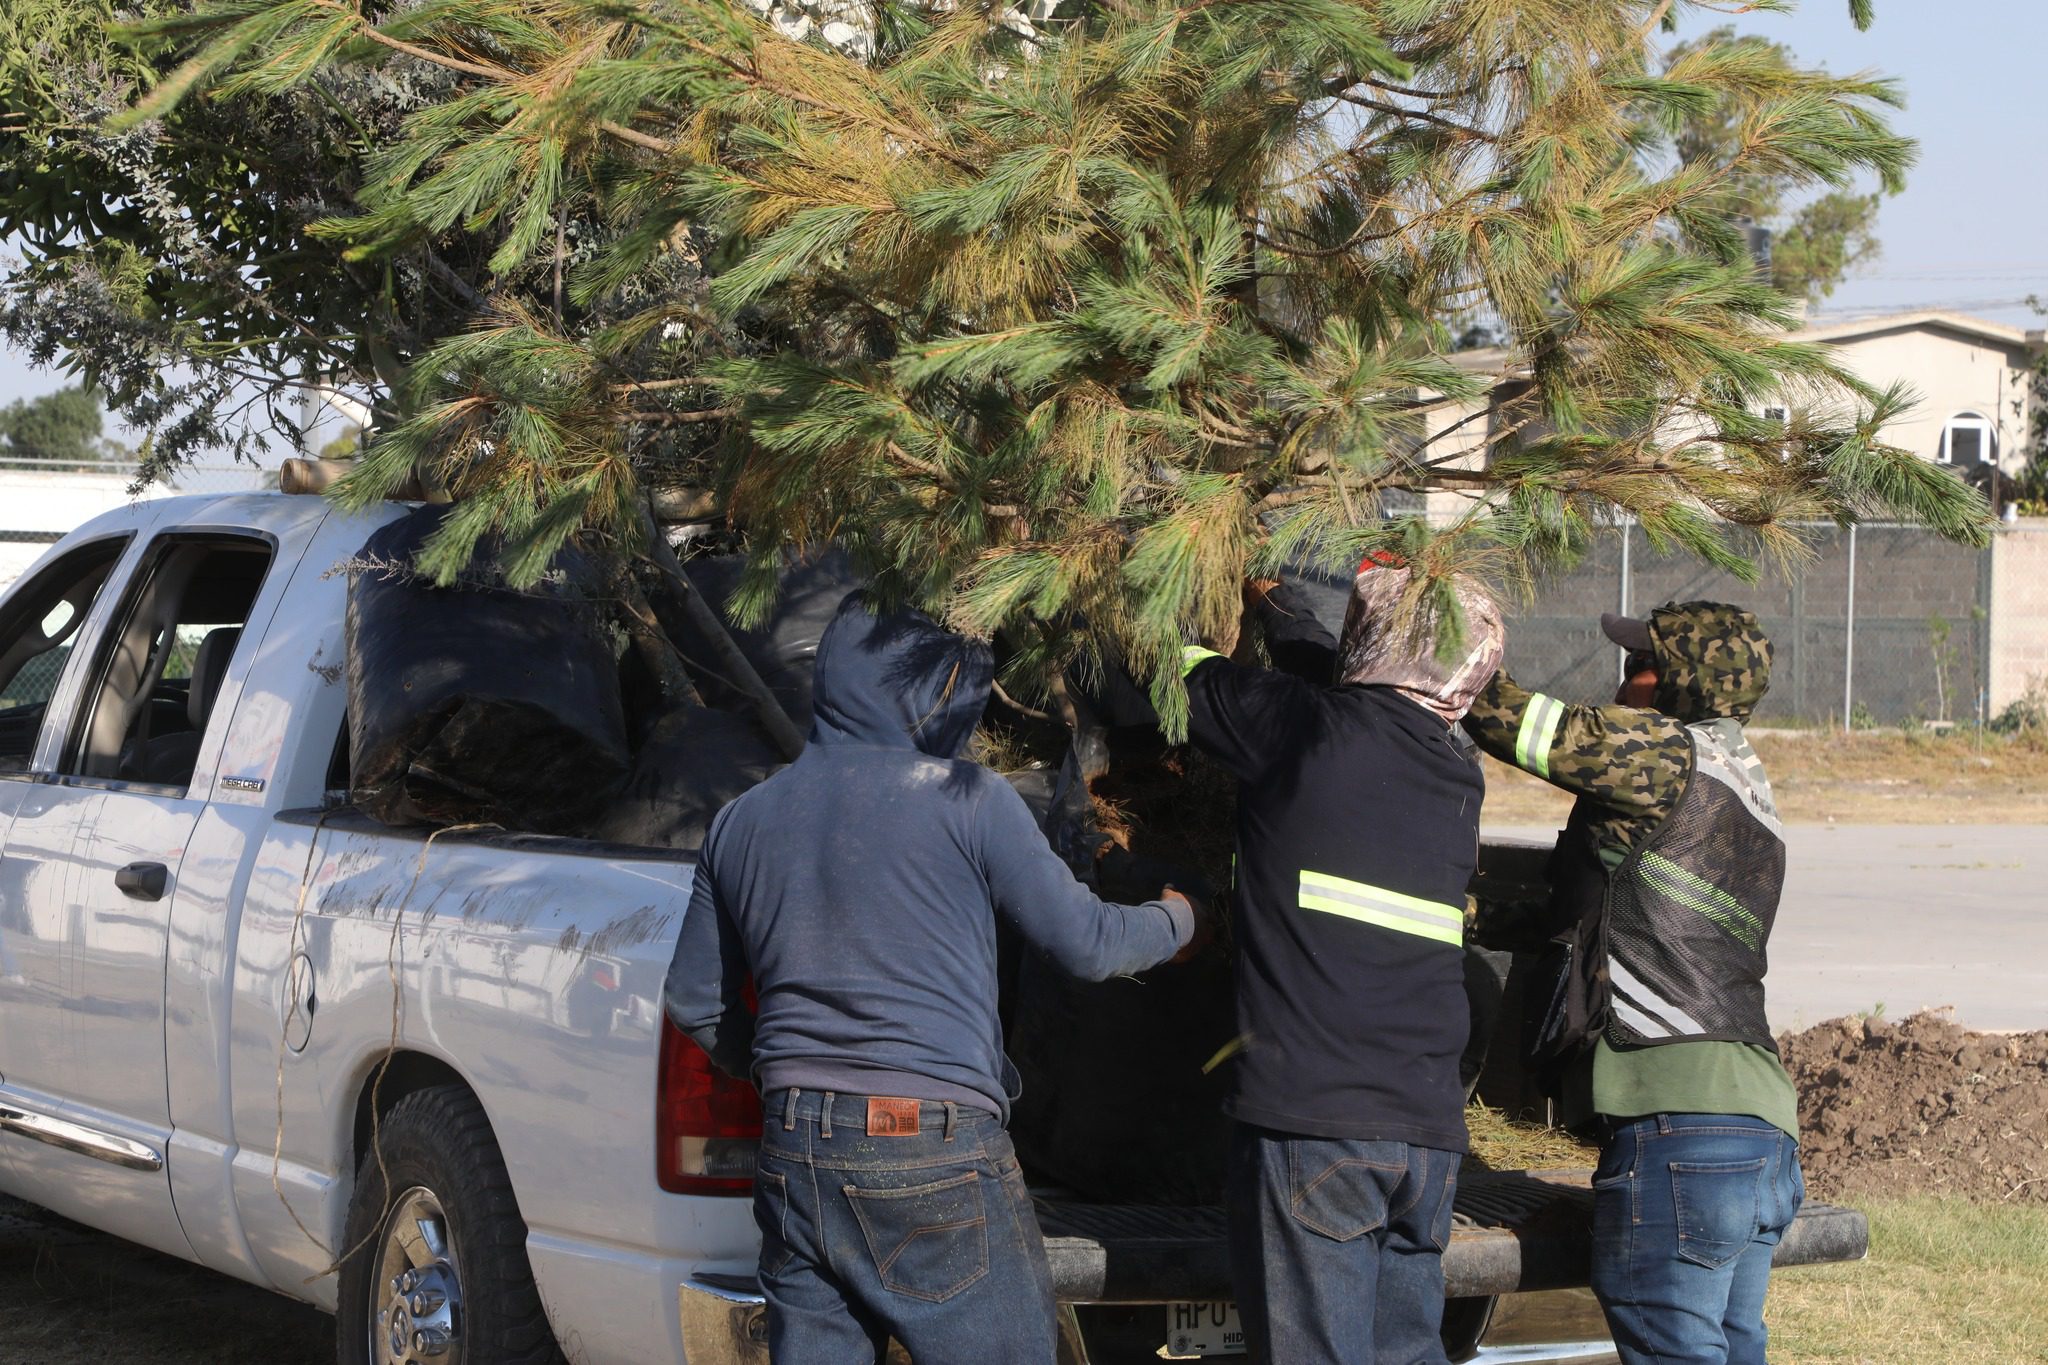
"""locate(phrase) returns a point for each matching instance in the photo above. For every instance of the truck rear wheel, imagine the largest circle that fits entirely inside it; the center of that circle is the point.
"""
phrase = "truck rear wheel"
(438, 1273)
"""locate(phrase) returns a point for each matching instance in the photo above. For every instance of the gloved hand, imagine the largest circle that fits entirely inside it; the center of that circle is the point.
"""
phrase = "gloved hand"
(1205, 924)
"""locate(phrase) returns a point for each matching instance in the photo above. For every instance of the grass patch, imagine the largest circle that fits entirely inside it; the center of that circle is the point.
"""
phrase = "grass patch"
(1946, 1280)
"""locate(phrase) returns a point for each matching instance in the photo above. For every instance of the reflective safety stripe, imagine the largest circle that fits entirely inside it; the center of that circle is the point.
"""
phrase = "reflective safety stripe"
(1539, 729)
(1190, 655)
(1387, 909)
(1665, 1020)
(1642, 1023)
(1665, 876)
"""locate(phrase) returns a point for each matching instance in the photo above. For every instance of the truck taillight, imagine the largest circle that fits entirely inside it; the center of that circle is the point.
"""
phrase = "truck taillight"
(706, 1124)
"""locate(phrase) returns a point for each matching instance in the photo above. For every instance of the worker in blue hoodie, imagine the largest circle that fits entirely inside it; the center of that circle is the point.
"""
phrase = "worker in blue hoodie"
(858, 888)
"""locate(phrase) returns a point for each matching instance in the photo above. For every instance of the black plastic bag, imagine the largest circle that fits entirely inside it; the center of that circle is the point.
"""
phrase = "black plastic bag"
(476, 703)
(692, 762)
(1116, 1106)
(784, 649)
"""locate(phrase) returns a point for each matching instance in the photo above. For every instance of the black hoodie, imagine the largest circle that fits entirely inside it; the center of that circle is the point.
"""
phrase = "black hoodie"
(859, 886)
(1357, 831)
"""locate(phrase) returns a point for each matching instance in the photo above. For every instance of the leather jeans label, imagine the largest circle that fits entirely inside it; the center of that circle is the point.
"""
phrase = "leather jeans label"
(892, 1118)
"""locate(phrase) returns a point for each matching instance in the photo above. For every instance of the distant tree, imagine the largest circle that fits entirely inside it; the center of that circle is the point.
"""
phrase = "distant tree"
(2029, 486)
(1823, 242)
(1813, 246)
(346, 445)
(62, 427)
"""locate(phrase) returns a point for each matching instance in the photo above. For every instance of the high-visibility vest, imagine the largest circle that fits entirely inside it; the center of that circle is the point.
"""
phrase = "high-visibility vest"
(1689, 911)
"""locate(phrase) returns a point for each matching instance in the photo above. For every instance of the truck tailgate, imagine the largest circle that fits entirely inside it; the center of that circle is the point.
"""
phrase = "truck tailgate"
(1513, 1231)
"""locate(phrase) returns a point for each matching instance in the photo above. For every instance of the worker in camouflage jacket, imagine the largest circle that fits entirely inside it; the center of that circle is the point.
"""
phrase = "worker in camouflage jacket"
(1665, 885)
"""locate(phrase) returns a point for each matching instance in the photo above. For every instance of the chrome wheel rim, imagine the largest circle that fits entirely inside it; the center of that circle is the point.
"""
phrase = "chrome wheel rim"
(415, 1302)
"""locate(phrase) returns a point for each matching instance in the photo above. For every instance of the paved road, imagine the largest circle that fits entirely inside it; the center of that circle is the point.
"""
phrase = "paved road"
(1910, 917)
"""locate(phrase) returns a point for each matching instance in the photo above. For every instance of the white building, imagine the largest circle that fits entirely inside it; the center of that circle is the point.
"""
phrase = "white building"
(41, 502)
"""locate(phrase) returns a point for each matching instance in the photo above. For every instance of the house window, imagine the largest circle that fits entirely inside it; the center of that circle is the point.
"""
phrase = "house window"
(1967, 441)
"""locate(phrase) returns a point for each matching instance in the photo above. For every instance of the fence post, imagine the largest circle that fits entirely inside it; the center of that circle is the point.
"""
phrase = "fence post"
(1621, 664)
(1849, 641)
(1986, 570)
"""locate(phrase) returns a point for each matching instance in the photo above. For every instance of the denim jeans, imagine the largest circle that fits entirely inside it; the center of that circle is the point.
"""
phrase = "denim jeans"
(1687, 1209)
(929, 1238)
(1336, 1248)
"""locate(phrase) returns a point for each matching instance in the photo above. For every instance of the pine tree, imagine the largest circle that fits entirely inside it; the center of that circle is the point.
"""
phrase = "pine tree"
(1081, 318)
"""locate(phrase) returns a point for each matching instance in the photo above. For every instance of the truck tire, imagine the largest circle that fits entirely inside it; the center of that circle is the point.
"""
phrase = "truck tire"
(437, 1271)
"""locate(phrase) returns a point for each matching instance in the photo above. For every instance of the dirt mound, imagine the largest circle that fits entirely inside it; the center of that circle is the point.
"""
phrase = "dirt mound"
(1921, 1106)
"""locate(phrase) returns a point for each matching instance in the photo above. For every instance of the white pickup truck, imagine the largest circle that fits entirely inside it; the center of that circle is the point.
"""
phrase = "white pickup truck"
(425, 1083)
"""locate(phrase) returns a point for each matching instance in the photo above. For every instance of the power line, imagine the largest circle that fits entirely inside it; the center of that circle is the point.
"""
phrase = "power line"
(1933, 305)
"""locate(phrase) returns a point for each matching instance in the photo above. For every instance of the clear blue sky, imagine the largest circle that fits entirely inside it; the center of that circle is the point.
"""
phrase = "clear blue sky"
(1967, 233)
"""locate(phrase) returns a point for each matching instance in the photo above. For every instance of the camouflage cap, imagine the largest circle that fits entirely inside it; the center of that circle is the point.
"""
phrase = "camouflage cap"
(1713, 660)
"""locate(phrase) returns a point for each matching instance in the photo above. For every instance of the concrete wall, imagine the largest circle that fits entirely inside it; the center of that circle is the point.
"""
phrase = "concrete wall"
(38, 504)
(2019, 611)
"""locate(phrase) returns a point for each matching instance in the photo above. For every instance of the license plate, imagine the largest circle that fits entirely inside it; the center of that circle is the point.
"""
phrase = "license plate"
(1202, 1329)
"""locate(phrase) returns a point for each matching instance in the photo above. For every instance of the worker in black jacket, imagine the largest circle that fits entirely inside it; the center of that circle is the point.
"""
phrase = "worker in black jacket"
(1357, 830)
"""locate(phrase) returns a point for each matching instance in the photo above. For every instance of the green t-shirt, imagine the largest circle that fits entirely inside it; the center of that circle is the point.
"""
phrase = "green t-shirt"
(1683, 1078)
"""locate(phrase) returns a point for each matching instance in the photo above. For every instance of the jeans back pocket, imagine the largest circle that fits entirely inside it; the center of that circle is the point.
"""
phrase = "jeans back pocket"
(928, 1241)
(1718, 1205)
(1347, 1197)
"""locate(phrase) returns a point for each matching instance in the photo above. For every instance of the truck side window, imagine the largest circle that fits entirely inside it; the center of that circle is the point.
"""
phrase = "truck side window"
(37, 625)
(163, 662)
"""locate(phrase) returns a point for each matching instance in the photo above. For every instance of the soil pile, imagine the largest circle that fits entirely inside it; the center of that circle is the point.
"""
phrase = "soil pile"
(1921, 1106)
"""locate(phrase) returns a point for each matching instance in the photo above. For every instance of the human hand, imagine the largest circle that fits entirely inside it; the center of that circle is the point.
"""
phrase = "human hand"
(1205, 925)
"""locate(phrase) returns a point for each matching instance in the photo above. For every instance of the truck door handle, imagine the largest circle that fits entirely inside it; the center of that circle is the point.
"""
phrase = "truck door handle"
(143, 881)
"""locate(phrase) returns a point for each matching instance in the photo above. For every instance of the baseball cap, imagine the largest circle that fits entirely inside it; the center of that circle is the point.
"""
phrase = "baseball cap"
(1630, 632)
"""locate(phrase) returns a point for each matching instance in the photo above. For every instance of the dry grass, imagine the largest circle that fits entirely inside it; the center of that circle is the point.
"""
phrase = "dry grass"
(1915, 778)
(1946, 1281)
(1500, 1143)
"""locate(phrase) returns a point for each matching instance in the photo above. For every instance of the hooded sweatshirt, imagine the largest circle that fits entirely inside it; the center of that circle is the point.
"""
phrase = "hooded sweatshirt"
(858, 888)
(1628, 767)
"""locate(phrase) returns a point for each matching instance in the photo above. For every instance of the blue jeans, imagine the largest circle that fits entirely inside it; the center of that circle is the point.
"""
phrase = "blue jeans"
(1336, 1248)
(928, 1238)
(1687, 1209)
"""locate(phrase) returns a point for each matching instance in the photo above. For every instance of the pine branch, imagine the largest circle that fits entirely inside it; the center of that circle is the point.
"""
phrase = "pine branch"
(1450, 126)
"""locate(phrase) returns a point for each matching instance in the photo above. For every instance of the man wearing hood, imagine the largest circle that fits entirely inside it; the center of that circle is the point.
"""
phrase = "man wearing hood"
(858, 890)
(1357, 830)
(1665, 885)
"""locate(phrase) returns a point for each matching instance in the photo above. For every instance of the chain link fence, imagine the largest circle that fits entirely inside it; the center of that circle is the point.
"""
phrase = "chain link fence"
(1885, 625)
